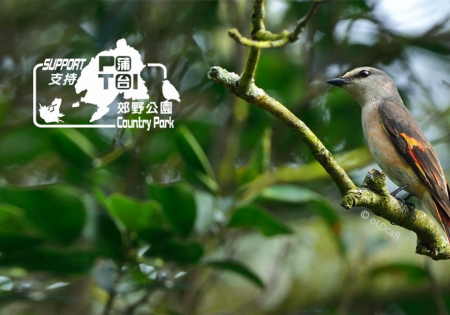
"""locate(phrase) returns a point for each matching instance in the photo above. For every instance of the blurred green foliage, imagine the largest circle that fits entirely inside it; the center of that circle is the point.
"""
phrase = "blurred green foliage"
(228, 213)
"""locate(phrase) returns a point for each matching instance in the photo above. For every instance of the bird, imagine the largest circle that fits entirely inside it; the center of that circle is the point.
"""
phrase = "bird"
(396, 142)
(169, 91)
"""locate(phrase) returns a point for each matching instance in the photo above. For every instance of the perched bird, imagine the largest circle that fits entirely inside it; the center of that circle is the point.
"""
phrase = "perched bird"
(169, 91)
(396, 141)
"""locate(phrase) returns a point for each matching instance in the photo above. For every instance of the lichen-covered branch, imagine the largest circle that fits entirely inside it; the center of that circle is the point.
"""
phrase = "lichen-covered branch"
(373, 193)
(262, 39)
(258, 97)
(375, 196)
(253, 55)
(250, 69)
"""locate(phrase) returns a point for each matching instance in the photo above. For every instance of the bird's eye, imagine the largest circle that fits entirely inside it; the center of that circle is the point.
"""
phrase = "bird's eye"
(364, 73)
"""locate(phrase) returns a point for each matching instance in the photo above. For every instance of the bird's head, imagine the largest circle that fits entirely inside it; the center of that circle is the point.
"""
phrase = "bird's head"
(367, 84)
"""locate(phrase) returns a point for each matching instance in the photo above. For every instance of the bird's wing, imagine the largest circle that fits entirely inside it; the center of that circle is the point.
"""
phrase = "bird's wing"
(415, 149)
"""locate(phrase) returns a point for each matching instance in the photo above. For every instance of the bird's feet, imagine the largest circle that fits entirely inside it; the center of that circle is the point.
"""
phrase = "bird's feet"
(399, 189)
(410, 205)
(403, 200)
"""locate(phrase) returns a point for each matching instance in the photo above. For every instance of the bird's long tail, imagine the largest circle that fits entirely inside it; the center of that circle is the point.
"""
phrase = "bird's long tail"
(443, 217)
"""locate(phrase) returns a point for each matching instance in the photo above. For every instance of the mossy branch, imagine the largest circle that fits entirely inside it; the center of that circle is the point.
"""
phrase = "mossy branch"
(373, 193)
(262, 39)
(258, 97)
(253, 56)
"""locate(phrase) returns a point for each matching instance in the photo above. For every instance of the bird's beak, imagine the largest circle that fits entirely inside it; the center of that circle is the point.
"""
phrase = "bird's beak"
(338, 81)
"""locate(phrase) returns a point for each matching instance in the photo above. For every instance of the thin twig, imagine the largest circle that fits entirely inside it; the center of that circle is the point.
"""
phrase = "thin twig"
(295, 34)
(112, 291)
(264, 39)
(130, 310)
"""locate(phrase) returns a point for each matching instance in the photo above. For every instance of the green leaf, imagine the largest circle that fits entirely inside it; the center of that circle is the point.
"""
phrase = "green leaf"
(201, 179)
(15, 242)
(177, 251)
(207, 208)
(154, 235)
(198, 164)
(134, 214)
(99, 196)
(237, 267)
(75, 147)
(108, 238)
(15, 232)
(288, 193)
(292, 194)
(22, 145)
(410, 271)
(260, 159)
(50, 260)
(252, 216)
(300, 173)
(11, 218)
(192, 152)
(178, 205)
(298, 195)
(5, 103)
(56, 211)
(81, 141)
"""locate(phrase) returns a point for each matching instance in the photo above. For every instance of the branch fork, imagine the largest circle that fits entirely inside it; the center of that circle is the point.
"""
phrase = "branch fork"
(374, 195)
(263, 39)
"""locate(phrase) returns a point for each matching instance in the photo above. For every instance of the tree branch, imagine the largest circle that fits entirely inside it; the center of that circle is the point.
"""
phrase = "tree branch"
(373, 193)
(253, 56)
(258, 97)
(263, 39)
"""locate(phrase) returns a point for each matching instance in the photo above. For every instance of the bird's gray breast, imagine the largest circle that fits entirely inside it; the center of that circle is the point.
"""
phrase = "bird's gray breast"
(383, 151)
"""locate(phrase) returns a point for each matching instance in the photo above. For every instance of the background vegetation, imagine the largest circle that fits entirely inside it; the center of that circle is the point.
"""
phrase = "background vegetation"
(228, 213)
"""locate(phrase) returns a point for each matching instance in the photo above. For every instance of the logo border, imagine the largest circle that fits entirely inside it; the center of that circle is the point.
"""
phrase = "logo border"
(39, 65)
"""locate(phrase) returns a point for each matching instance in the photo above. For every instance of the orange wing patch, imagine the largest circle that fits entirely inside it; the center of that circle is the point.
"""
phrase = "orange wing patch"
(411, 144)
(436, 178)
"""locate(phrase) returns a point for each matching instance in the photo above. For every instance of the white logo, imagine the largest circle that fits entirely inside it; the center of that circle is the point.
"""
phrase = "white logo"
(115, 94)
